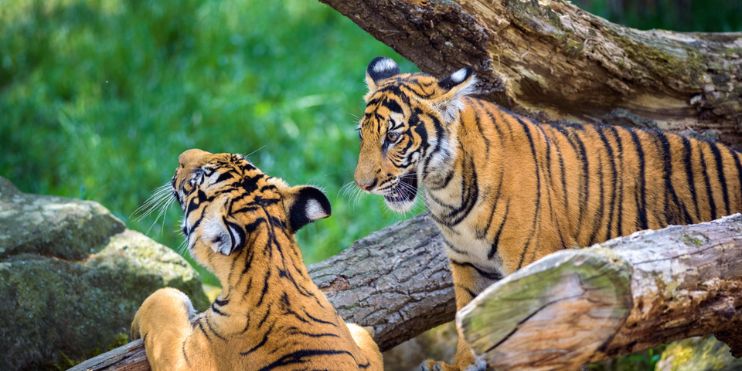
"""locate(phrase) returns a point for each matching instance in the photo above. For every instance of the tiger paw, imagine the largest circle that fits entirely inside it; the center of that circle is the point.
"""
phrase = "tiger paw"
(431, 365)
(479, 365)
(134, 331)
(164, 307)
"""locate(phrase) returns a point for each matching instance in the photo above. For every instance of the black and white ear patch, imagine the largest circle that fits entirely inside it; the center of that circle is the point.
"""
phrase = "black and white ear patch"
(456, 78)
(309, 204)
(381, 68)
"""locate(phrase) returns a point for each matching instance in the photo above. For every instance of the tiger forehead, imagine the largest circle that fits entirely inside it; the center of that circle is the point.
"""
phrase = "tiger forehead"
(395, 98)
(408, 80)
(378, 120)
(400, 95)
(249, 182)
(383, 105)
(414, 85)
(245, 171)
(235, 165)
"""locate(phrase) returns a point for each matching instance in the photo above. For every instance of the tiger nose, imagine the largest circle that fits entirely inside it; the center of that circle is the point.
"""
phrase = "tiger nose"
(191, 156)
(366, 184)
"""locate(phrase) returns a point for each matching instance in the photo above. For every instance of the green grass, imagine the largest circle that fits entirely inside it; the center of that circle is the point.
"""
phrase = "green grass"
(98, 98)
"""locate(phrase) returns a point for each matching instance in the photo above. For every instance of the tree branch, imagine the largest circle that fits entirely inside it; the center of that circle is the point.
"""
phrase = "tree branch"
(619, 297)
(550, 58)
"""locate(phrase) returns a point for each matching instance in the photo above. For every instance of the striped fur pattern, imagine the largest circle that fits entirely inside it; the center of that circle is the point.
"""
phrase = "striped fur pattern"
(505, 190)
(240, 224)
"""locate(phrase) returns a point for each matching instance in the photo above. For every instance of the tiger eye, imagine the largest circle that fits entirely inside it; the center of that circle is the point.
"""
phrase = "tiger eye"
(392, 136)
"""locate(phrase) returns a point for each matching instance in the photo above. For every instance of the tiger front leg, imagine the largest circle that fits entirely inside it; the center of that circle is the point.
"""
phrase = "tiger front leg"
(364, 339)
(468, 282)
(163, 321)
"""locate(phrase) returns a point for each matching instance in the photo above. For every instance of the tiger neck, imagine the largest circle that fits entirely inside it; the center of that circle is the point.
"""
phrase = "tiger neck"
(469, 173)
(267, 282)
(438, 166)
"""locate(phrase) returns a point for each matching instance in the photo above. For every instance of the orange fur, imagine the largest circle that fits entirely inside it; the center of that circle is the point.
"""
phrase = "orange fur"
(506, 191)
(240, 224)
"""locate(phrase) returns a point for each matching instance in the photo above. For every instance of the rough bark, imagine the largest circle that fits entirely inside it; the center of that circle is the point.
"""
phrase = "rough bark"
(618, 297)
(395, 280)
(552, 59)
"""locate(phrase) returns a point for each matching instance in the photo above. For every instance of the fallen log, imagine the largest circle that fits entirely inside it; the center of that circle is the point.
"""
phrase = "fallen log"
(571, 307)
(396, 280)
(618, 297)
(550, 57)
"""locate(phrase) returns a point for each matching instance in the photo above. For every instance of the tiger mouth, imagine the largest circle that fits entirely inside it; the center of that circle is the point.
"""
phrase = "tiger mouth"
(404, 192)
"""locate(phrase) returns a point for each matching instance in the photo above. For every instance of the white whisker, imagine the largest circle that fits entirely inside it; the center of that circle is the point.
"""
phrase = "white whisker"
(255, 151)
(159, 197)
(159, 202)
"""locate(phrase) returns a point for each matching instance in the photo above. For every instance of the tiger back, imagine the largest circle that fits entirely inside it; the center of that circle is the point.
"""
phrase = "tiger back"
(240, 224)
(505, 190)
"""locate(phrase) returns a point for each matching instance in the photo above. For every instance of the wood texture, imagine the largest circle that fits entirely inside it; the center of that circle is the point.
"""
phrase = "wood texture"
(129, 357)
(549, 58)
(575, 299)
(618, 297)
(395, 280)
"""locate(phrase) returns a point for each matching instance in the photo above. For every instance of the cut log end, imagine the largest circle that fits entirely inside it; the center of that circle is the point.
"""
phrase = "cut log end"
(581, 297)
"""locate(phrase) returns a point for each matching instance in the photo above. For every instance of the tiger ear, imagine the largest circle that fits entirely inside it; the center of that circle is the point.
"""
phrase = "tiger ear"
(452, 88)
(379, 69)
(305, 204)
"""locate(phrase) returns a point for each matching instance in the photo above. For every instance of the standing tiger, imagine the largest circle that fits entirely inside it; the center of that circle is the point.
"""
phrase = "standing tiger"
(505, 191)
(240, 224)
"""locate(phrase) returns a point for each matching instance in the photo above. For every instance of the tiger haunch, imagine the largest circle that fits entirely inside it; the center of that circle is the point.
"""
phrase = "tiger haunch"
(505, 190)
(240, 224)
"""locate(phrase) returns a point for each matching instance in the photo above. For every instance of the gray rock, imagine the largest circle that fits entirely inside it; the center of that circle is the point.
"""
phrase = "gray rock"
(52, 226)
(72, 277)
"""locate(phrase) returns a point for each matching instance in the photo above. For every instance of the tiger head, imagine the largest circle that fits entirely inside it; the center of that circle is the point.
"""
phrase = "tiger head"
(407, 129)
(229, 205)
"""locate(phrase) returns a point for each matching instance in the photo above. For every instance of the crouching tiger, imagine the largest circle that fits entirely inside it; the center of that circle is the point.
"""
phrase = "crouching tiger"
(505, 191)
(240, 224)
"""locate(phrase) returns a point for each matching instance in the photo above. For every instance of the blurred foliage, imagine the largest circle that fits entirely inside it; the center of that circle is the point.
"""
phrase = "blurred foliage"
(677, 15)
(98, 98)
(645, 360)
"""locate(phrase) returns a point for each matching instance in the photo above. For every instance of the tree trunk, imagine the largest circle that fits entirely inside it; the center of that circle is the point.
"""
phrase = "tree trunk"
(618, 297)
(553, 60)
(395, 280)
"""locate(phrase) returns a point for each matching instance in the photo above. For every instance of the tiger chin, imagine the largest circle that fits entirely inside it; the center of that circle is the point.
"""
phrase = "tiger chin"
(240, 224)
(505, 190)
